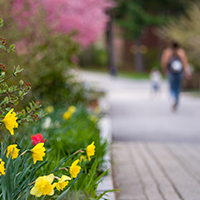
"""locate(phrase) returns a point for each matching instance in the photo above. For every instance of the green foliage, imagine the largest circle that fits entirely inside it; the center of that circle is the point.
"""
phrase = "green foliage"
(17, 170)
(151, 60)
(11, 95)
(94, 56)
(63, 138)
(135, 15)
(132, 16)
(47, 58)
(66, 136)
(21, 173)
(185, 30)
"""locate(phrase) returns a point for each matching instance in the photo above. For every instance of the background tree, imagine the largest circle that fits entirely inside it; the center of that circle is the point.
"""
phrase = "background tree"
(48, 41)
(185, 30)
(135, 15)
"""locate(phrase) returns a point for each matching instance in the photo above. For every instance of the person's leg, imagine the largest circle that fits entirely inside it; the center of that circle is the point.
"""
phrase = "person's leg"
(172, 86)
(178, 83)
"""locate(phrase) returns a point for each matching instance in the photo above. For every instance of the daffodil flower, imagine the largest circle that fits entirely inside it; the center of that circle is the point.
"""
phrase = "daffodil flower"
(49, 109)
(12, 150)
(90, 150)
(74, 169)
(38, 152)
(72, 109)
(62, 183)
(43, 186)
(10, 121)
(67, 115)
(2, 167)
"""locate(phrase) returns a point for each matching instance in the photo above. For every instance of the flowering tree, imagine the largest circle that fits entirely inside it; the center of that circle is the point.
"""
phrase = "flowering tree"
(45, 41)
(87, 17)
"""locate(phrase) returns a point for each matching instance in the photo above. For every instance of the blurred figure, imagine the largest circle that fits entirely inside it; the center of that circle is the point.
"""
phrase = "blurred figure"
(155, 77)
(174, 63)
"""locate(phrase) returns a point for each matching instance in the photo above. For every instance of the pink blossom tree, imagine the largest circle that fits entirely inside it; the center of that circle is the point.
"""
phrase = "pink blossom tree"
(87, 17)
(43, 31)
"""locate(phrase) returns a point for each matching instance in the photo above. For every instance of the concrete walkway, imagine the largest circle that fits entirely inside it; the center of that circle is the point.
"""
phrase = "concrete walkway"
(156, 152)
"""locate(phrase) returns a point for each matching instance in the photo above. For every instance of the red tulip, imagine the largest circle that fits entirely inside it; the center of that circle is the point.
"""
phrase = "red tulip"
(38, 138)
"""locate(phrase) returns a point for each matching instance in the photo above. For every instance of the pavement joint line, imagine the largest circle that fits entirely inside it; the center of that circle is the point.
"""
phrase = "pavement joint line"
(150, 171)
(159, 175)
(164, 172)
(137, 171)
(182, 164)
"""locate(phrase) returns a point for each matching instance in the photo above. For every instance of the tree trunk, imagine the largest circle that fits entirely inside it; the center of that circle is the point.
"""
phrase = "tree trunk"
(138, 57)
(112, 67)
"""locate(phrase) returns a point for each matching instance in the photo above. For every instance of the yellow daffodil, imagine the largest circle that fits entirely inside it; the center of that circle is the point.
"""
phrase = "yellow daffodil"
(2, 168)
(74, 169)
(43, 186)
(83, 158)
(67, 115)
(12, 150)
(72, 109)
(62, 183)
(90, 150)
(49, 109)
(10, 121)
(38, 152)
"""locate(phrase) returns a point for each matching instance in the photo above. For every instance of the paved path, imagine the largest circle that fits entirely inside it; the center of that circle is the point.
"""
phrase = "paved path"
(157, 171)
(156, 152)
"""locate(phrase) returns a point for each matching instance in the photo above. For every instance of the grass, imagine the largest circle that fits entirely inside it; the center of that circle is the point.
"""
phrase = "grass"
(134, 75)
(125, 74)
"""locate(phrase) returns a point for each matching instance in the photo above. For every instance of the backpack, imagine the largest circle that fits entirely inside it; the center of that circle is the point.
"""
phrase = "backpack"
(175, 65)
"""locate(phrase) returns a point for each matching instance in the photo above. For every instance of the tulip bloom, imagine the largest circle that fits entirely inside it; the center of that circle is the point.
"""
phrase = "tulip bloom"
(37, 138)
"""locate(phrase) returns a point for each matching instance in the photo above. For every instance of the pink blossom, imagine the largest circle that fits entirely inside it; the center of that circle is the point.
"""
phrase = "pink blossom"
(87, 17)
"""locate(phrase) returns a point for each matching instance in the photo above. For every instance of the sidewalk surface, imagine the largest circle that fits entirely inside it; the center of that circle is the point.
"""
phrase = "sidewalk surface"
(156, 152)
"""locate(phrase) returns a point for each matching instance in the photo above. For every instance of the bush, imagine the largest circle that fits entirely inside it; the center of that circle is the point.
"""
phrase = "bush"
(47, 57)
(93, 56)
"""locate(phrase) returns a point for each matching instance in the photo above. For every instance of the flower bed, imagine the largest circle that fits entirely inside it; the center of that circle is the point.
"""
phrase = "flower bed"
(57, 158)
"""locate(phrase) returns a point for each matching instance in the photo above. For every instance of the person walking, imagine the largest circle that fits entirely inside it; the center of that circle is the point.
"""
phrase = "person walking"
(175, 65)
(155, 77)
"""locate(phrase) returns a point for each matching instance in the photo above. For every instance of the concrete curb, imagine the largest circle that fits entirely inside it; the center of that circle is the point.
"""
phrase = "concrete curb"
(106, 133)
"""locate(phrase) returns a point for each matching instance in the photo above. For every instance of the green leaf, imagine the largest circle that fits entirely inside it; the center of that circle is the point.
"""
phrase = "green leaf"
(31, 105)
(10, 89)
(20, 93)
(1, 22)
(101, 195)
(12, 47)
(6, 100)
(2, 47)
(62, 196)
(28, 109)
